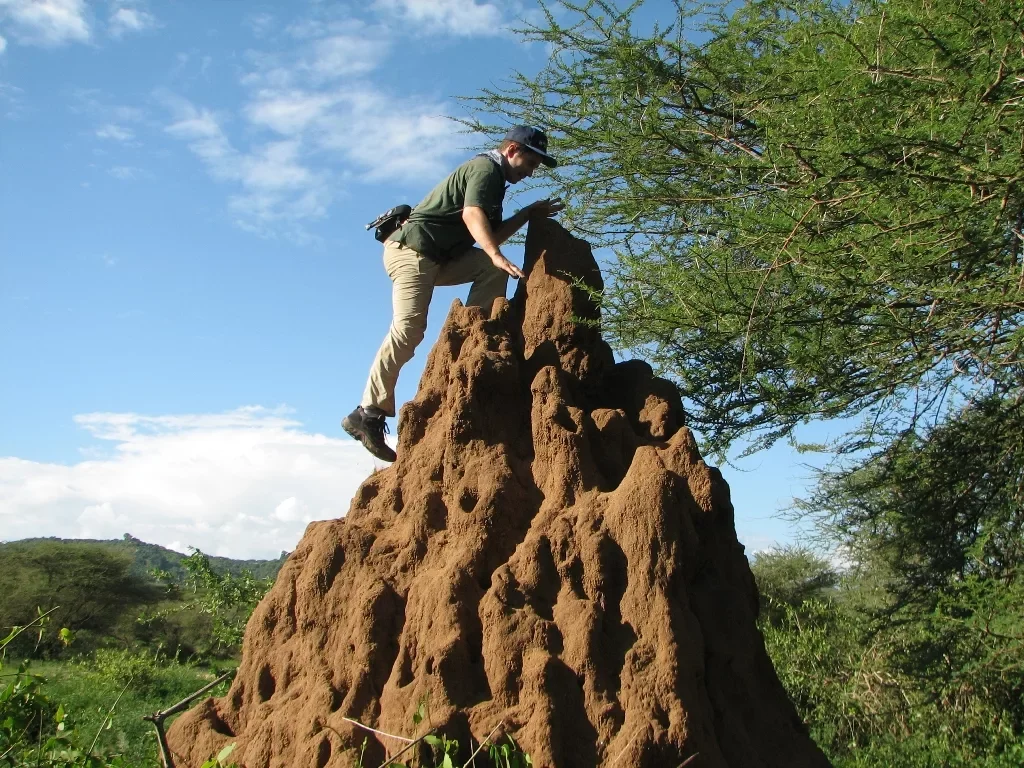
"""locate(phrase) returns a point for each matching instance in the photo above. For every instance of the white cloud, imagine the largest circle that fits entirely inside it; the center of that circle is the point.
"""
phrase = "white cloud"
(126, 18)
(289, 112)
(463, 18)
(115, 132)
(275, 185)
(359, 126)
(275, 166)
(3, 44)
(202, 129)
(411, 144)
(46, 22)
(260, 24)
(314, 119)
(328, 52)
(340, 56)
(242, 483)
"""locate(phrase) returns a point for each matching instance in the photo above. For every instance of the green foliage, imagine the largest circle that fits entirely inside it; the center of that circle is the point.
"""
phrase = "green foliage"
(93, 588)
(35, 729)
(508, 755)
(147, 557)
(791, 577)
(444, 752)
(102, 591)
(123, 667)
(444, 749)
(87, 691)
(87, 713)
(816, 205)
(226, 599)
(940, 516)
(863, 704)
(220, 760)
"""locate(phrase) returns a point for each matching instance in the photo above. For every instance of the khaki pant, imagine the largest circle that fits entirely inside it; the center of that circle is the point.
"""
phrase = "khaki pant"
(414, 277)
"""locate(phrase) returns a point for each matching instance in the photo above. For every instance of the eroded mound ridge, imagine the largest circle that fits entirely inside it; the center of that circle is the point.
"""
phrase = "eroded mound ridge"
(549, 551)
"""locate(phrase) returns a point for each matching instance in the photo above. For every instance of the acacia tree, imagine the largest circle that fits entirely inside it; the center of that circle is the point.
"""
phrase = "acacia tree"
(816, 207)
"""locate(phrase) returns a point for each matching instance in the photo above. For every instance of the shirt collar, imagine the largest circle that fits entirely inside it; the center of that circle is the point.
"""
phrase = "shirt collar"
(500, 160)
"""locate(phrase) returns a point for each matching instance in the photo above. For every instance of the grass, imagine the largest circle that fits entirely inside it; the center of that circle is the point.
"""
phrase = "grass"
(88, 694)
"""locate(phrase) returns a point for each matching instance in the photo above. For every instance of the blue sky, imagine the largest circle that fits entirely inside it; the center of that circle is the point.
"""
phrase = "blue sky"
(188, 300)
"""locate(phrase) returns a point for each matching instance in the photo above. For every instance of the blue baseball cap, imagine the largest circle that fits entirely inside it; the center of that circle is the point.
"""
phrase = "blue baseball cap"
(534, 140)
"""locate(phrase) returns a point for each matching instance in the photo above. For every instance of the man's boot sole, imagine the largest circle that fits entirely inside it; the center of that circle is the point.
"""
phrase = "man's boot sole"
(356, 433)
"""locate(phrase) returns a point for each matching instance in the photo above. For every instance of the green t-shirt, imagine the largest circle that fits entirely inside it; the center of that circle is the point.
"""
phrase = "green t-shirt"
(435, 228)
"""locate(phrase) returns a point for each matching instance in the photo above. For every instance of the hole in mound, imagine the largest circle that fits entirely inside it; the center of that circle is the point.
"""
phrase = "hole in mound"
(468, 500)
(475, 646)
(564, 419)
(266, 685)
(414, 417)
(436, 516)
(323, 753)
(430, 666)
(386, 610)
(405, 669)
(484, 580)
(575, 572)
(367, 492)
(337, 696)
(336, 560)
(218, 725)
(455, 341)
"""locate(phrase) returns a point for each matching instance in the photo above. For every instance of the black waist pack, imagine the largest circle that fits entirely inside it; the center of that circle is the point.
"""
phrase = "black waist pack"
(389, 221)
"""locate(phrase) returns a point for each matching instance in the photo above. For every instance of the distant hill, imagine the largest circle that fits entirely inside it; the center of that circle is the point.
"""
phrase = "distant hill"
(146, 557)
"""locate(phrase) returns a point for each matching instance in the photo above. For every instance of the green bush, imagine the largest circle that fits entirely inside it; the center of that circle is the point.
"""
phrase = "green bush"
(33, 728)
(124, 667)
(865, 707)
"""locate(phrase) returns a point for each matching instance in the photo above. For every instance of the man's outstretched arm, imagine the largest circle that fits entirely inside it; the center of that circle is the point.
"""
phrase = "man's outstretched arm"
(490, 240)
(511, 225)
(480, 228)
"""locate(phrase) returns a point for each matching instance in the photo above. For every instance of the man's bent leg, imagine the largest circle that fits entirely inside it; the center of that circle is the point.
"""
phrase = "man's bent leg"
(474, 266)
(413, 277)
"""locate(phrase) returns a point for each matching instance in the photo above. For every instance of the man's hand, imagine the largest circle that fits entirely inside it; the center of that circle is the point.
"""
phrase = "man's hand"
(504, 264)
(545, 208)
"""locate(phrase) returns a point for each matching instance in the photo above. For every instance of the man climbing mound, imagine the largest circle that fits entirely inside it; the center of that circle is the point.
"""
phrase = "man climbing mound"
(435, 246)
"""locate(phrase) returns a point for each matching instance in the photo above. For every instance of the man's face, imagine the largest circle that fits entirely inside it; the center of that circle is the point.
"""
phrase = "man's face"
(522, 162)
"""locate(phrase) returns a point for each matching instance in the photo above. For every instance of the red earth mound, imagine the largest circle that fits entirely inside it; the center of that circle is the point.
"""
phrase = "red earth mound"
(549, 555)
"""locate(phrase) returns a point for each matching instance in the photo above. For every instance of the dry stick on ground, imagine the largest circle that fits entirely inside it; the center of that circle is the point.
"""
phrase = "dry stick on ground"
(409, 746)
(157, 718)
(499, 725)
(629, 743)
(689, 760)
(374, 730)
(410, 742)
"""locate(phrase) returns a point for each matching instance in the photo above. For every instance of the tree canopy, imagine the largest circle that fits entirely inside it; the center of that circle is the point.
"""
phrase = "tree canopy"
(816, 207)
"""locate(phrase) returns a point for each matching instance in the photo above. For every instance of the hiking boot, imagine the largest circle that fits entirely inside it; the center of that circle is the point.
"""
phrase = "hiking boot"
(369, 427)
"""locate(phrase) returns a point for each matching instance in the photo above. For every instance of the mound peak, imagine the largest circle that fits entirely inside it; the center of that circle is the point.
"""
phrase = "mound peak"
(549, 552)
